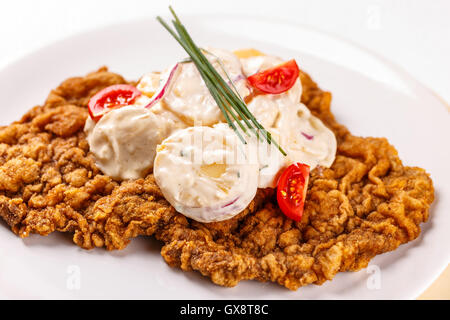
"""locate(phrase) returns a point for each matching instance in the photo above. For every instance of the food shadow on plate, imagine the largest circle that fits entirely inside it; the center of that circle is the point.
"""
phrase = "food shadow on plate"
(137, 246)
(250, 288)
(55, 239)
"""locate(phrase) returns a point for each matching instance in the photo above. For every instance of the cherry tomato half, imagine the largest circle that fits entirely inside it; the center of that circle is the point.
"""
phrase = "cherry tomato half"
(111, 97)
(291, 190)
(277, 79)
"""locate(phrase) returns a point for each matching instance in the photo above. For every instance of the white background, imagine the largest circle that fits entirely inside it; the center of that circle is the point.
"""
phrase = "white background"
(411, 33)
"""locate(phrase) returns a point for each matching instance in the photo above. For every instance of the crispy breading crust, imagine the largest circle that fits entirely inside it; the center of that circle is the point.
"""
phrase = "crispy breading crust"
(367, 203)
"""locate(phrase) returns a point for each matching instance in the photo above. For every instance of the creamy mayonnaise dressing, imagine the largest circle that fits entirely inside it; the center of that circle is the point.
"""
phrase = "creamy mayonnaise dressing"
(304, 137)
(267, 107)
(205, 174)
(258, 151)
(189, 98)
(205, 171)
(124, 140)
(149, 83)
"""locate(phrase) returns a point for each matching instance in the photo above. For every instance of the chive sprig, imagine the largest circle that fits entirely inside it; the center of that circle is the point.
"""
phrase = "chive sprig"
(229, 101)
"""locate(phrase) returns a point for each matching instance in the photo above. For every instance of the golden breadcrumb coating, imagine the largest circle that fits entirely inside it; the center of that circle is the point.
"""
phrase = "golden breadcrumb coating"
(367, 203)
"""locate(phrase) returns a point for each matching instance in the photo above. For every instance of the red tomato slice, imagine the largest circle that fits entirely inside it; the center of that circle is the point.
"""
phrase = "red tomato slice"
(111, 97)
(291, 190)
(277, 79)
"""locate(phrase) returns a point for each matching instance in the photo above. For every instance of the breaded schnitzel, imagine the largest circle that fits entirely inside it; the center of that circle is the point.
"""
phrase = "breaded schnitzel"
(367, 203)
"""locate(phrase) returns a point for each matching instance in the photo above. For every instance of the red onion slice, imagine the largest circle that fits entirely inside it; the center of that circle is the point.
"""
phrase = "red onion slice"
(307, 136)
(163, 88)
(230, 203)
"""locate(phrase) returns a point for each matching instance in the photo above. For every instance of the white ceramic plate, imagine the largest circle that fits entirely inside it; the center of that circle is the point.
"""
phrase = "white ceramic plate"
(371, 97)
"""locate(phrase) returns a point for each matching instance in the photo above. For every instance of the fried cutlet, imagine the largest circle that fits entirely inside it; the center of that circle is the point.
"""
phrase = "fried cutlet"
(367, 203)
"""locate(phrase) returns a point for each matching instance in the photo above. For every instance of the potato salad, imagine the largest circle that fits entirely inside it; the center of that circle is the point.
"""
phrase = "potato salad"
(205, 156)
